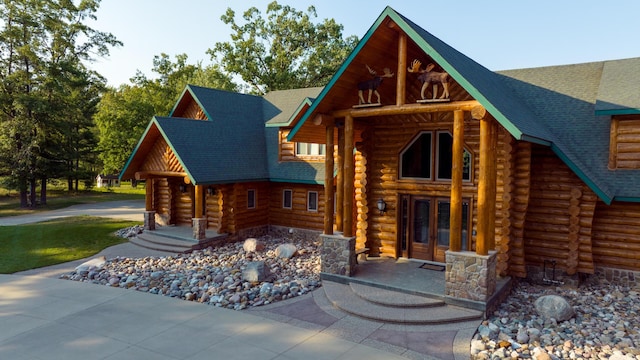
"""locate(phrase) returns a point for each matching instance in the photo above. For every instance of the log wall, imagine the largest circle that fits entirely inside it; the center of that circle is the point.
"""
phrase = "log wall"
(192, 111)
(390, 136)
(161, 158)
(162, 198)
(559, 216)
(518, 198)
(298, 216)
(236, 215)
(625, 143)
(616, 235)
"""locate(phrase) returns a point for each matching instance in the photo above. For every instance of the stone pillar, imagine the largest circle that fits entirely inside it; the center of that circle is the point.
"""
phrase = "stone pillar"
(199, 228)
(470, 276)
(149, 220)
(338, 255)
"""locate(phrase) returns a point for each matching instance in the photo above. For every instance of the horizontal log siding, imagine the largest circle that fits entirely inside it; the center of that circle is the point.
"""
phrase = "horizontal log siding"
(519, 202)
(162, 198)
(298, 216)
(245, 218)
(625, 143)
(559, 216)
(183, 205)
(616, 235)
(214, 210)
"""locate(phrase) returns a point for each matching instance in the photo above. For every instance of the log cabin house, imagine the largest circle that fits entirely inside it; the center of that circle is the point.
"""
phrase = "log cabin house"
(503, 175)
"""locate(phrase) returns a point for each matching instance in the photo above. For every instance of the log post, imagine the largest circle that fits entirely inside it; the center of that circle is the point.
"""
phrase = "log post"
(402, 70)
(455, 224)
(198, 201)
(148, 197)
(328, 182)
(483, 240)
(349, 174)
(340, 179)
(491, 184)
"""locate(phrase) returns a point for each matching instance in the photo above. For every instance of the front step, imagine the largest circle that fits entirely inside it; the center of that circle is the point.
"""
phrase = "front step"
(162, 243)
(394, 307)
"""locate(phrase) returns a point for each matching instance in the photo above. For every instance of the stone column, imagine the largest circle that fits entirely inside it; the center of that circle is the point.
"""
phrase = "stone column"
(149, 220)
(470, 276)
(338, 255)
(199, 228)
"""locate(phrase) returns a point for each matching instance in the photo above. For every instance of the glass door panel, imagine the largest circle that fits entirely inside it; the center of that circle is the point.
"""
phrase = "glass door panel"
(421, 246)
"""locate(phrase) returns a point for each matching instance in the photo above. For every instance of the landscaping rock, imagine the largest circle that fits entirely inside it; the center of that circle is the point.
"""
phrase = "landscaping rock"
(554, 307)
(286, 251)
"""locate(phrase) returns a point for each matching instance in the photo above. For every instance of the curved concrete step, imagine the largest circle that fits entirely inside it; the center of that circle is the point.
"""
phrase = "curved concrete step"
(393, 298)
(161, 243)
(342, 297)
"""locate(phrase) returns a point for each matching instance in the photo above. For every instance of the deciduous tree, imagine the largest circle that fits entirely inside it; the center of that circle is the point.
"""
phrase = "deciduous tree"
(285, 50)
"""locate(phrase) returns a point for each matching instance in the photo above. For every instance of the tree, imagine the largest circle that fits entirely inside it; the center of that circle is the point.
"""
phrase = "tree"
(123, 114)
(286, 50)
(42, 48)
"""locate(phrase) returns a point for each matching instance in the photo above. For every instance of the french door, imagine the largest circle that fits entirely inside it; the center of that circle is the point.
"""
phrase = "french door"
(424, 227)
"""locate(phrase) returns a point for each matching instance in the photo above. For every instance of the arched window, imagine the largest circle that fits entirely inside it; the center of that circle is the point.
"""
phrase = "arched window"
(426, 156)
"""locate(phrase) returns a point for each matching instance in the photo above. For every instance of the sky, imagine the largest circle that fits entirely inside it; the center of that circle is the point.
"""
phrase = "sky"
(498, 34)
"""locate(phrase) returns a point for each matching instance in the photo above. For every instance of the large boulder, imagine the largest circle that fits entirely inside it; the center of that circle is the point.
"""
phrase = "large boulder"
(253, 245)
(286, 251)
(554, 307)
(256, 271)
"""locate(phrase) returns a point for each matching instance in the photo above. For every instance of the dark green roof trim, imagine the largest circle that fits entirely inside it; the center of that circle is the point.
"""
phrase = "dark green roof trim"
(231, 181)
(596, 189)
(135, 150)
(339, 73)
(626, 199)
(535, 140)
(306, 102)
(618, 112)
(308, 182)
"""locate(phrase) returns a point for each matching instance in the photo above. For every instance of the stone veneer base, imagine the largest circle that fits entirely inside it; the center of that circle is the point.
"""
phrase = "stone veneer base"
(470, 276)
(149, 220)
(338, 255)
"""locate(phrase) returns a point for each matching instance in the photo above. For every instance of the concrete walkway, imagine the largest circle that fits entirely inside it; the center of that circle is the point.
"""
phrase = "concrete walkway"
(45, 318)
(42, 317)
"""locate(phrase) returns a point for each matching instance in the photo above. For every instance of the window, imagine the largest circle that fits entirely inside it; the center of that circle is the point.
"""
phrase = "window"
(312, 201)
(416, 159)
(423, 156)
(445, 158)
(309, 149)
(251, 199)
(287, 199)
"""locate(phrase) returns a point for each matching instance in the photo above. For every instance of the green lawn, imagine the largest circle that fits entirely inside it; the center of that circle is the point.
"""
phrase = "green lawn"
(31, 246)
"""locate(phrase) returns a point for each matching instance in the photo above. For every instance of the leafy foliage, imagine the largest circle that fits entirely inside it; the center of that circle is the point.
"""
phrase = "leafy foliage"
(284, 51)
(47, 95)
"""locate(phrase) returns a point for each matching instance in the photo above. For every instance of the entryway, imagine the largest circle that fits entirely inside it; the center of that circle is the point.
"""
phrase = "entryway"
(424, 227)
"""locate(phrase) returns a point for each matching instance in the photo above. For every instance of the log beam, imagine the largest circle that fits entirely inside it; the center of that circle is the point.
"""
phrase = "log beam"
(401, 73)
(328, 182)
(349, 174)
(140, 175)
(407, 109)
(455, 224)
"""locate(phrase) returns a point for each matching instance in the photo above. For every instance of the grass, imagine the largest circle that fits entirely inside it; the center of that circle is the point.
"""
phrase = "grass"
(58, 198)
(24, 247)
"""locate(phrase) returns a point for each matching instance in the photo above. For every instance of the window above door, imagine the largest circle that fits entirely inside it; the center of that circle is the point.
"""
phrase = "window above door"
(428, 157)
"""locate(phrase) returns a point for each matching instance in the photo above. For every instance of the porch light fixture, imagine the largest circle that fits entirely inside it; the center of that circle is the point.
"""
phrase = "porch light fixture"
(382, 206)
(211, 191)
(183, 188)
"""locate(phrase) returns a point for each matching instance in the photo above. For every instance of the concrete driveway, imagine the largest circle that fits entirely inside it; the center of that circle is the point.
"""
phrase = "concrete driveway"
(125, 209)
